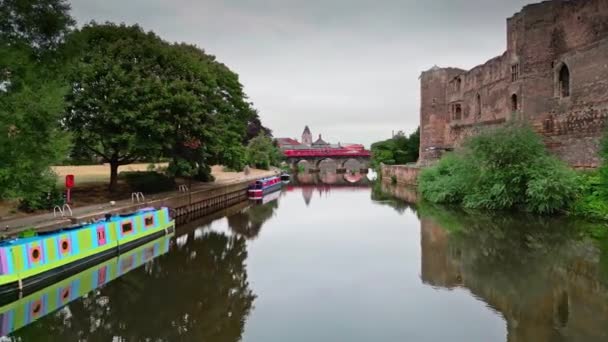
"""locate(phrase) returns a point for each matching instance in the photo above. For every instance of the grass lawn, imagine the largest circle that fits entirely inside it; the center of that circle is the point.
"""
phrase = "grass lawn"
(91, 174)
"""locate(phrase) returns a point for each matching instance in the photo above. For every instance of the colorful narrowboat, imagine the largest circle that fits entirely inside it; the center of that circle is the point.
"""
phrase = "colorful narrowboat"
(264, 186)
(26, 310)
(28, 263)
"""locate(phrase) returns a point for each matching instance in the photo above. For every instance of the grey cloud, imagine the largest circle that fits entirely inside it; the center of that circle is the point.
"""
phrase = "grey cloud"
(347, 68)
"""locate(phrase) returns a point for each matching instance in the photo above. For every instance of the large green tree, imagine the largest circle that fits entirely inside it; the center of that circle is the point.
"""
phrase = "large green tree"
(114, 87)
(31, 94)
(135, 96)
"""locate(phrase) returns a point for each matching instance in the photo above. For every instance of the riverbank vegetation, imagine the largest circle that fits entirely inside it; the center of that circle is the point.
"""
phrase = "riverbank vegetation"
(110, 93)
(509, 168)
(262, 152)
(398, 150)
(506, 168)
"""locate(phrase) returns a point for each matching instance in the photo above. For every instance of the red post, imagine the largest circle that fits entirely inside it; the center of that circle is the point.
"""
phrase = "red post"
(69, 184)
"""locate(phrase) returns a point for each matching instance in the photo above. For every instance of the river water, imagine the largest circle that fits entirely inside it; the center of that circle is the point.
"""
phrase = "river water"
(347, 263)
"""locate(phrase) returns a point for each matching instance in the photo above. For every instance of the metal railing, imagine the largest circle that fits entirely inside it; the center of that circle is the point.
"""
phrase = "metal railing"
(137, 197)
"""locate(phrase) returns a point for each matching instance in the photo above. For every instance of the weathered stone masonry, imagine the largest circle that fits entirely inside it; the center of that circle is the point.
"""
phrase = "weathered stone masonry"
(554, 75)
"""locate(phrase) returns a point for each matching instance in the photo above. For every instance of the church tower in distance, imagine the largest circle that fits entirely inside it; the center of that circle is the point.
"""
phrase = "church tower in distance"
(307, 137)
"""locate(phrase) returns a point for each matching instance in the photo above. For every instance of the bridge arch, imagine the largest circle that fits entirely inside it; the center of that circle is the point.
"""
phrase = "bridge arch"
(304, 165)
(352, 164)
(328, 162)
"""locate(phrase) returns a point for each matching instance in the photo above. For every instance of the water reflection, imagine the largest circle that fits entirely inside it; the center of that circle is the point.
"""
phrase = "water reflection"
(347, 268)
(544, 275)
(249, 221)
(197, 292)
(36, 306)
(331, 178)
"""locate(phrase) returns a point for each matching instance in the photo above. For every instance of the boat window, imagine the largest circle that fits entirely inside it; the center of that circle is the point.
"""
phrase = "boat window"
(65, 245)
(127, 227)
(149, 221)
(101, 235)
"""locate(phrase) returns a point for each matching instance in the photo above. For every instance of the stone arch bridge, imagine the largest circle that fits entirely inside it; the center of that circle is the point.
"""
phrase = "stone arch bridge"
(346, 160)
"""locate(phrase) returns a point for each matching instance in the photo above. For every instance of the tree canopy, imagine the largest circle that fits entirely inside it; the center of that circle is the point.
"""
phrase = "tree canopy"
(262, 152)
(135, 96)
(398, 150)
(119, 94)
(31, 95)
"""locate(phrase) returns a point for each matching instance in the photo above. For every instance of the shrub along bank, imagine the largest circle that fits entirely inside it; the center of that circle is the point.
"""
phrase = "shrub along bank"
(507, 168)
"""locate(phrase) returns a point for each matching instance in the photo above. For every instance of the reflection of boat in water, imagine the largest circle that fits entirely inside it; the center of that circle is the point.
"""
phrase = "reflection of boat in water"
(26, 310)
(28, 263)
(264, 186)
(270, 197)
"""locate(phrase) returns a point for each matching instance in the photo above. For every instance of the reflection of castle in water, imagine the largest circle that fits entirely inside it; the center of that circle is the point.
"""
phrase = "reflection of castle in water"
(546, 290)
(548, 284)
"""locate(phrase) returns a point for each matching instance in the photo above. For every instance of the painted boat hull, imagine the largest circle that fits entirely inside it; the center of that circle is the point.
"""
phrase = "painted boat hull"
(30, 264)
(19, 312)
(258, 194)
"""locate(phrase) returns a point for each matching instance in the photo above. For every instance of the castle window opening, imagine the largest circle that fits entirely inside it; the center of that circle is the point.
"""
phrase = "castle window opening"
(478, 106)
(514, 104)
(515, 72)
(564, 81)
(457, 112)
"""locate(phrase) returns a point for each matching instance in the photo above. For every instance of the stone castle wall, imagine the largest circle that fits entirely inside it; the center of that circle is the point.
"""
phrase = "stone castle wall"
(526, 84)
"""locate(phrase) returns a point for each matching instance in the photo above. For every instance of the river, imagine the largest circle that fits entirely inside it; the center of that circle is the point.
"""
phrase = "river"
(344, 263)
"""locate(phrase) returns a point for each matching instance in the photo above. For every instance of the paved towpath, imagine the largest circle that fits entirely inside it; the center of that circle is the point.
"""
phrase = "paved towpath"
(12, 226)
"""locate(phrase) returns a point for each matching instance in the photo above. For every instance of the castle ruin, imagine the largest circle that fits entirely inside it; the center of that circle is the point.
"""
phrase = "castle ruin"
(553, 75)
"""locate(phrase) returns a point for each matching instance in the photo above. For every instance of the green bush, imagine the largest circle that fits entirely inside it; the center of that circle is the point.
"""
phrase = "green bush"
(148, 182)
(590, 202)
(41, 201)
(502, 169)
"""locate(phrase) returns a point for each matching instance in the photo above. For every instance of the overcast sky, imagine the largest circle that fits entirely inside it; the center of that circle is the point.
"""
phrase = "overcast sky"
(347, 68)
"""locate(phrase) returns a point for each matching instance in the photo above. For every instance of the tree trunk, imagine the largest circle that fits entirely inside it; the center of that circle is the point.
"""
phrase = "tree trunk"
(114, 164)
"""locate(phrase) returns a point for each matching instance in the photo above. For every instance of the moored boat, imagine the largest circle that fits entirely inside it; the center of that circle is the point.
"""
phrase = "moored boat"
(285, 177)
(264, 186)
(28, 263)
(25, 310)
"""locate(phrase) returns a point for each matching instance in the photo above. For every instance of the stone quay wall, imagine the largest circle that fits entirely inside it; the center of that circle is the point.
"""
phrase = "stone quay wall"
(403, 174)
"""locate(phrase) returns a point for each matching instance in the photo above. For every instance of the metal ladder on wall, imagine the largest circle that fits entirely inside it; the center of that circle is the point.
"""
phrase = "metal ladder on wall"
(62, 210)
(137, 197)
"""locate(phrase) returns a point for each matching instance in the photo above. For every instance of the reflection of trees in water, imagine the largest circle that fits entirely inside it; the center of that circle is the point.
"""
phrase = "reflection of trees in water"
(538, 272)
(544, 275)
(249, 222)
(386, 194)
(199, 292)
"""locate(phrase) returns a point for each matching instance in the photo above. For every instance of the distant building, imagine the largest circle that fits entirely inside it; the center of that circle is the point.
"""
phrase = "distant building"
(307, 143)
(307, 136)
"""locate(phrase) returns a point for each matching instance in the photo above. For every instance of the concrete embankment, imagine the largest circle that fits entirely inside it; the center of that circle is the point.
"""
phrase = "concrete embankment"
(196, 202)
